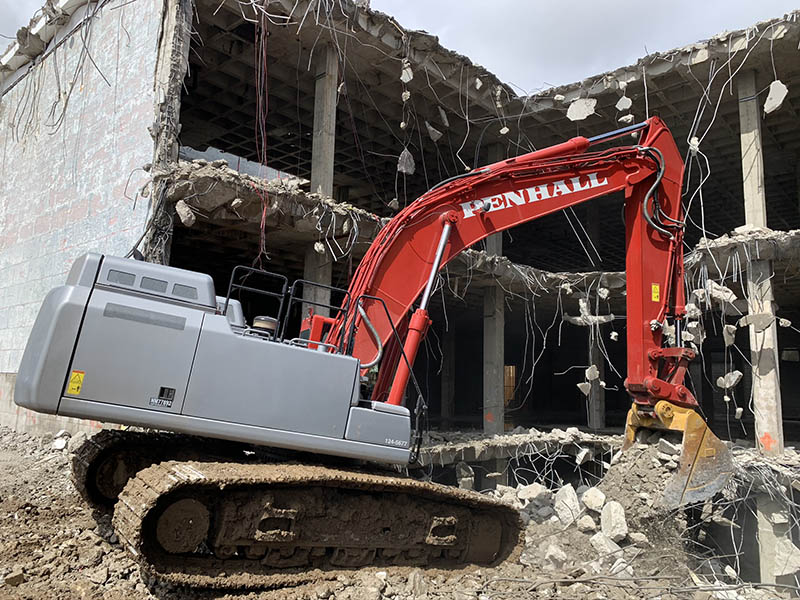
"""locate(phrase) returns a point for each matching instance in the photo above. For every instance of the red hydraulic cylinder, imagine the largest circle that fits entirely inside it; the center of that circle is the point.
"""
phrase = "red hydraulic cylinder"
(417, 328)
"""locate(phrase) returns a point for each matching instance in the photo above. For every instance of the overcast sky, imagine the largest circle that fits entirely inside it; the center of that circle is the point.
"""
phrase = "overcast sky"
(534, 44)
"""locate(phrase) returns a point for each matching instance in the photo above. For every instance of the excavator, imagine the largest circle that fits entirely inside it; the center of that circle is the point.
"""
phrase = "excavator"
(259, 453)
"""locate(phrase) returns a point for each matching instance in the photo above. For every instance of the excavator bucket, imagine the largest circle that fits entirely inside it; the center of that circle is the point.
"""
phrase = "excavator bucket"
(706, 463)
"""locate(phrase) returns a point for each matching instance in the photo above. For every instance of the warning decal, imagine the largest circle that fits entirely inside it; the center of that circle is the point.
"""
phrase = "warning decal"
(655, 292)
(75, 382)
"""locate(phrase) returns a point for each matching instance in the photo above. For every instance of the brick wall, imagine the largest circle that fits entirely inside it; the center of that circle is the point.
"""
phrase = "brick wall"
(68, 189)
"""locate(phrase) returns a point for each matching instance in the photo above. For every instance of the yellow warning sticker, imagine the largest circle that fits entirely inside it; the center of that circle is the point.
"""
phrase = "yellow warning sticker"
(655, 292)
(75, 382)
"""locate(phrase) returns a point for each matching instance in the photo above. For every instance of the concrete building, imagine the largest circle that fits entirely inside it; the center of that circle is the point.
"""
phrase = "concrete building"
(105, 105)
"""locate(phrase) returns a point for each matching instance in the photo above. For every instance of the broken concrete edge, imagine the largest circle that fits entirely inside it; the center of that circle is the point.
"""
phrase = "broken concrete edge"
(446, 448)
(221, 194)
(719, 46)
(749, 242)
(416, 49)
(32, 40)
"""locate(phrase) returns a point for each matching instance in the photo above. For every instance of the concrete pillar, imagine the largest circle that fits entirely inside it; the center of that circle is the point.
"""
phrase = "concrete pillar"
(318, 267)
(763, 340)
(596, 417)
(326, 73)
(775, 548)
(493, 359)
(448, 408)
(597, 393)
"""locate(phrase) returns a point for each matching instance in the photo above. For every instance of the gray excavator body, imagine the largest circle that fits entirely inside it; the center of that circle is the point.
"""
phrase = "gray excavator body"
(130, 342)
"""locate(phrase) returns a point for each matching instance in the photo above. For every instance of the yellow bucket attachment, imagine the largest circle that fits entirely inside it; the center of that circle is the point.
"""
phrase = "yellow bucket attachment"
(706, 463)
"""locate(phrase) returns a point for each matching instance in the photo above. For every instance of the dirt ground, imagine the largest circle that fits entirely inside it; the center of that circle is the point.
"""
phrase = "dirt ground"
(51, 546)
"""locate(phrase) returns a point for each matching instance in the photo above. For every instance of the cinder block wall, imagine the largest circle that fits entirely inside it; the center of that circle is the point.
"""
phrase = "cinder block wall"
(70, 162)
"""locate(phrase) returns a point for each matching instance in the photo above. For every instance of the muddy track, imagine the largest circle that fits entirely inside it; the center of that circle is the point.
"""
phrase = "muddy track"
(273, 525)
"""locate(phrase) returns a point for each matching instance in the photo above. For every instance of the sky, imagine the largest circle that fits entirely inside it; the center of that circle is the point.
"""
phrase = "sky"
(535, 44)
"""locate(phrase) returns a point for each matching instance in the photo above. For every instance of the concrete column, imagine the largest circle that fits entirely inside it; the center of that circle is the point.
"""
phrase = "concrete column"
(326, 73)
(448, 408)
(775, 548)
(493, 358)
(763, 340)
(318, 267)
(596, 417)
(597, 393)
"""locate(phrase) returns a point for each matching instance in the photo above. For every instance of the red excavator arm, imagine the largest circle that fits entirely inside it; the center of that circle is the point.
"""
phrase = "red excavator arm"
(404, 261)
(406, 256)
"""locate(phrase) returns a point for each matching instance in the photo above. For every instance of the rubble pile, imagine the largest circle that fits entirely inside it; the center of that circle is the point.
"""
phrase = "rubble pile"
(603, 542)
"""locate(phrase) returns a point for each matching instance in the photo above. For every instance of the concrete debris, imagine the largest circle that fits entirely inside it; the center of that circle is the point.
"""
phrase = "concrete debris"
(535, 493)
(465, 476)
(777, 93)
(443, 117)
(566, 505)
(434, 133)
(624, 103)
(729, 380)
(405, 96)
(592, 373)
(787, 557)
(584, 387)
(759, 321)
(185, 213)
(60, 443)
(586, 524)
(406, 73)
(15, 578)
(612, 521)
(626, 119)
(581, 109)
(405, 163)
(604, 545)
(668, 448)
(638, 539)
(729, 334)
(784, 323)
(593, 499)
(583, 456)
(504, 130)
(555, 556)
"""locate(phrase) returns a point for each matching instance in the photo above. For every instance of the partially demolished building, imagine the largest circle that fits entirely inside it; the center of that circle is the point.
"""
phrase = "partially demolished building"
(217, 133)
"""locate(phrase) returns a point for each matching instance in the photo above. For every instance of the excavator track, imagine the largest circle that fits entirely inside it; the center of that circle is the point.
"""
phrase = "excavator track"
(233, 525)
(105, 461)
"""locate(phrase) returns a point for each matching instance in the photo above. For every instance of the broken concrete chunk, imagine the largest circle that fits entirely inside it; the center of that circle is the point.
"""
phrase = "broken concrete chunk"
(604, 545)
(787, 557)
(729, 380)
(612, 521)
(581, 108)
(15, 578)
(624, 103)
(465, 476)
(185, 213)
(566, 505)
(405, 163)
(592, 373)
(60, 443)
(621, 566)
(667, 447)
(434, 133)
(593, 499)
(406, 74)
(586, 524)
(777, 93)
(555, 556)
(626, 119)
(585, 387)
(639, 539)
(583, 456)
(536, 493)
(759, 321)
(443, 117)
(729, 334)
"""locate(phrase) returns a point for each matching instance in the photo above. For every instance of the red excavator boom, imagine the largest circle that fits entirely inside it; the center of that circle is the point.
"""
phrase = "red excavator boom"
(404, 261)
